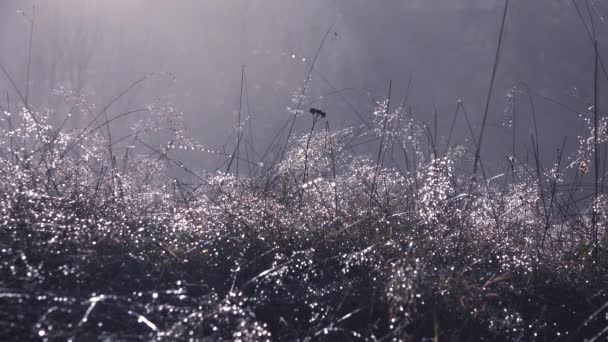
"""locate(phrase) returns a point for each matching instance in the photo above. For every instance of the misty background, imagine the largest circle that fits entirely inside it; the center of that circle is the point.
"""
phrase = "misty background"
(443, 48)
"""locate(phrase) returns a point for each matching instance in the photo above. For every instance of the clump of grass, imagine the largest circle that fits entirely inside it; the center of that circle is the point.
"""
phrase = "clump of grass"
(104, 242)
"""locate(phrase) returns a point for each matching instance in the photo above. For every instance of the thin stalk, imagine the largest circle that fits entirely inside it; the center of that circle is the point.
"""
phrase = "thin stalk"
(239, 128)
(29, 56)
(590, 34)
(489, 96)
(596, 146)
(302, 93)
(538, 172)
(553, 194)
(250, 119)
(452, 125)
(513, 133)
(315, 118)
(596, 152)
(533, 113)
(388, 104)
(10, 127)
(435, 131)
(333, 167)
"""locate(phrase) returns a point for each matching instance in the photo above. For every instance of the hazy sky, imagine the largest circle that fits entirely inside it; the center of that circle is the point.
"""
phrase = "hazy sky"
(446, 46)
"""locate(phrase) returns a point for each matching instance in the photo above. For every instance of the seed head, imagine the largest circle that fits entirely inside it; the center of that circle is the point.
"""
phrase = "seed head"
(317, 112)
(583, 168)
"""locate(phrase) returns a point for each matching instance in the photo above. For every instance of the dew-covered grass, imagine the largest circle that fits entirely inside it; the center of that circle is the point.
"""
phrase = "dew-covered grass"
(107, 235)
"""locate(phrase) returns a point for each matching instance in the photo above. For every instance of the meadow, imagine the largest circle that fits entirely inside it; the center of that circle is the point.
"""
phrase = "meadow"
(114, 238)
(383, 231)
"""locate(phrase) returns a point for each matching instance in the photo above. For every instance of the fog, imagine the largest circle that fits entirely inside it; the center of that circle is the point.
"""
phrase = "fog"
(444, 49)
